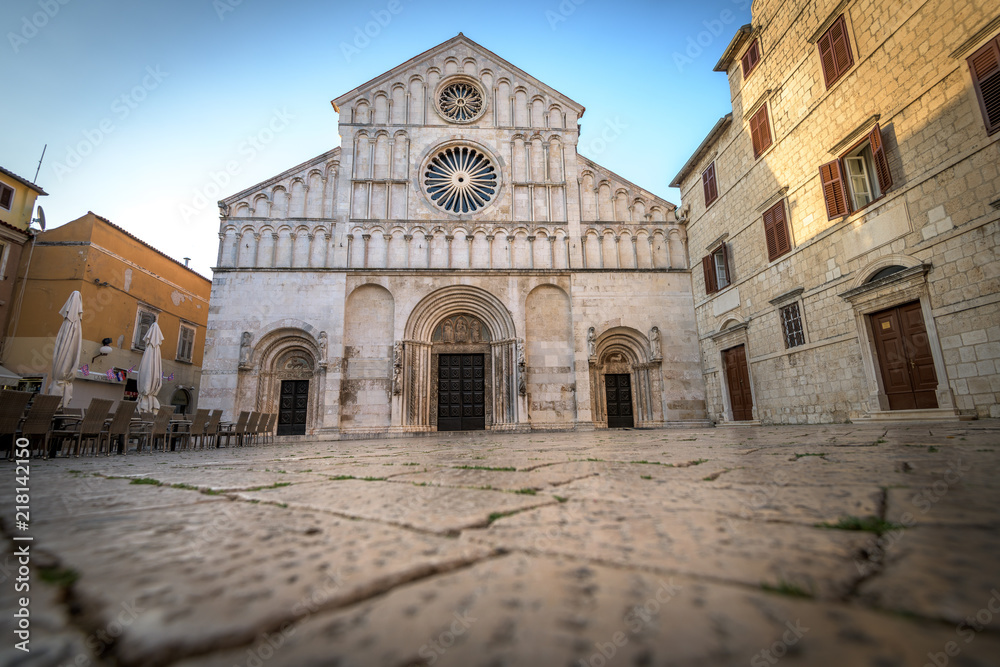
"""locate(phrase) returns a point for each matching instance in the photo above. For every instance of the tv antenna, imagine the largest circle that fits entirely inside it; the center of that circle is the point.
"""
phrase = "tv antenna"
(36, 176)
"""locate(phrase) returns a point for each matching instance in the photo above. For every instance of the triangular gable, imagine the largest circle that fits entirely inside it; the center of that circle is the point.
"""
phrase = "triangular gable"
(298, 170)
(431, 53)
(617, 182)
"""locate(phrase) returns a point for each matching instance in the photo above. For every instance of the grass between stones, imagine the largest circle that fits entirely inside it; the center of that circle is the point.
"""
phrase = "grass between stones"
(484, 468)
(59, 576)
(786, 588)
(821, 455)
(868, 524)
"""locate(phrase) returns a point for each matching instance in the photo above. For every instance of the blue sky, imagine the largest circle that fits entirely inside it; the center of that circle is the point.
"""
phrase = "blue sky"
(142, 105)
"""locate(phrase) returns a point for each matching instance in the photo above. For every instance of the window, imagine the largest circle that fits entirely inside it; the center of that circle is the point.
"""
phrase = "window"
(716, 267)
(858, 178)
(835, 52)
(760, 132)
(185, 343)
(751, 58)
(6, 196)
(708, 181)
(791, 326)
(144, 319)
(985, 67)
(776, 231)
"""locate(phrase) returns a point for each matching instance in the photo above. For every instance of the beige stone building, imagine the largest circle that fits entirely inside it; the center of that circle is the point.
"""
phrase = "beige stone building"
(453, 264)
(846, 214)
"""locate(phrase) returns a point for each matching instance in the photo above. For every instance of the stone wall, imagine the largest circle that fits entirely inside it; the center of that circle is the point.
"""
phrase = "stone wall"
(910, 77)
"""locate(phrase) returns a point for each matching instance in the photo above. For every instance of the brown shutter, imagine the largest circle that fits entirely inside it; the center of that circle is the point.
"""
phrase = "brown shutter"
(751, 58)
(835, 52)
(725, 263)
(781, 238)
(841, 48)
(984, 65)
(709, 269)
(833, 190)
(760, 132)
(772, 246)
(708, 181)
(881, 164)
(827, 60)
(776, 231)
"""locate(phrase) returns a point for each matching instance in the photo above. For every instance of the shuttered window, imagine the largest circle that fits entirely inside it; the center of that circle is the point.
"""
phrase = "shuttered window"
(833, 190)
(776, 231)
(708, 182)
(6, 196)
(858, 178)
(143, 320)
(835, 52)
(760, 132)
(716, 269)
(751, 58)
(985, 68)
(185, 343)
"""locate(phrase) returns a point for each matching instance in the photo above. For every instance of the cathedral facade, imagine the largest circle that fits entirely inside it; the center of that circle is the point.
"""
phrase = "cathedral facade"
(454, 265)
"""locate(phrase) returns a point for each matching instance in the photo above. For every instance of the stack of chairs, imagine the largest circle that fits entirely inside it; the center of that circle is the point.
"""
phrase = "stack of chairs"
(199, 427)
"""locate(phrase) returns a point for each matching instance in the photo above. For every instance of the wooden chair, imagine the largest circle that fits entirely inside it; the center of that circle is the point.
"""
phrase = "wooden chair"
(198, 430)
(122, 428)
(272, 419)
(12, 405)
(89, 429)
(237, 430)
(251, 431)
(161, 428)
(212, 429)
(38, 421)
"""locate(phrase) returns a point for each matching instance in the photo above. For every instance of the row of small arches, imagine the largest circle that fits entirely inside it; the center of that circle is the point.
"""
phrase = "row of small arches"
(308, 195)
(511, 104)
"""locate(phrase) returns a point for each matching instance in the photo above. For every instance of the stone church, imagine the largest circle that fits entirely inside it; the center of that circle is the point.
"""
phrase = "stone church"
(454, 264)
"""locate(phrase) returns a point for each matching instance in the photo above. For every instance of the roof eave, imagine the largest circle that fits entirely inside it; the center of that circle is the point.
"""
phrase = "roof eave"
(702, 149)
(729, 55)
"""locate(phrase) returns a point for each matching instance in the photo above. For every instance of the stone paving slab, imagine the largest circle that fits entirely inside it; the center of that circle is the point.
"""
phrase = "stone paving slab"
(435, 509)
(214, 574)
(773, 502)
(696, 542)
(523, 610)
(938, 572)
(371, 572)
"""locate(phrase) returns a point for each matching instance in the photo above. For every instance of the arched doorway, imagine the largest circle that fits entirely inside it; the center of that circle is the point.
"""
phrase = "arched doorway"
(284, 378)
(459, 361)
(181, 400)
(625, 382)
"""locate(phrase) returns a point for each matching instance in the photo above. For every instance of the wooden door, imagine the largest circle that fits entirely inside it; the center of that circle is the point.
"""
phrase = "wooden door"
(618, 392)
(293, 407)
(461, 392)
(738, 379)
(904, 357)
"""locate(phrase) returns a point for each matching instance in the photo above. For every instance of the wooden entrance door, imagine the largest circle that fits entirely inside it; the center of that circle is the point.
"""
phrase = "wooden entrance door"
(618, 391)
(904, 357)
(738, 379)
(461, 392)
(293, 406)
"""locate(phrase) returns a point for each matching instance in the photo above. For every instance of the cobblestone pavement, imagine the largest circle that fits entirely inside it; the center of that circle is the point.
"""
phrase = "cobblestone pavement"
(800, 545)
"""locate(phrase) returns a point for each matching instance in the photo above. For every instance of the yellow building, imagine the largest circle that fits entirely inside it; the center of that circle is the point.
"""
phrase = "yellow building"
(125, 284)
(17, 201)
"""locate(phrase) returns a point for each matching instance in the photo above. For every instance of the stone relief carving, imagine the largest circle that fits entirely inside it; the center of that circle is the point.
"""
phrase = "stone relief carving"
(522, 388)
(324, 345)
(654, 343)
(591, 342)
(245, 350)
(461, 329)
(397, 368)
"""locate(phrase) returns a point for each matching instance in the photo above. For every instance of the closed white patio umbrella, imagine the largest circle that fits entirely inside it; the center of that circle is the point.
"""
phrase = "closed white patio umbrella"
(150, 370)
(66, 355)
